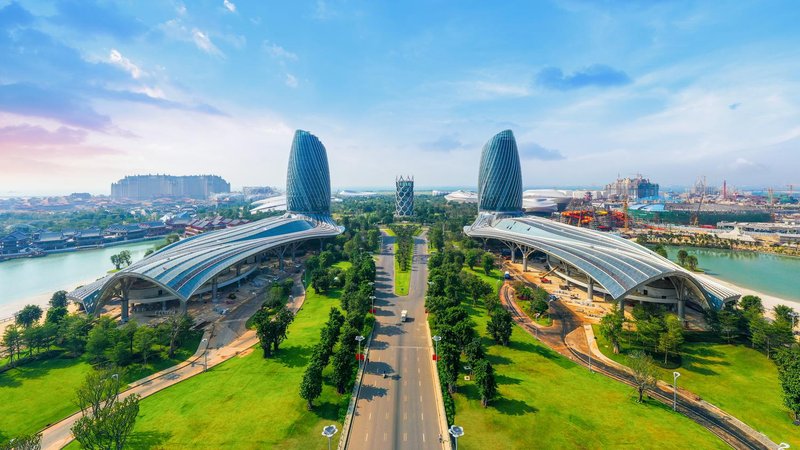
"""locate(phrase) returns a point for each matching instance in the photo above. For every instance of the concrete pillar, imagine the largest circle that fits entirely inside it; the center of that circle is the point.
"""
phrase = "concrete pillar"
(524, 262)
(164, 305)
(184, 304)
(214, 289)
(590, 289)
(621, 307)
(125, 302)
(682, 309)
(238, 269)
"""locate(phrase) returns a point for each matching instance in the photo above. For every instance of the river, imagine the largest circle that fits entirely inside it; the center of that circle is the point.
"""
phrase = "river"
(35, 279)
(763, 272)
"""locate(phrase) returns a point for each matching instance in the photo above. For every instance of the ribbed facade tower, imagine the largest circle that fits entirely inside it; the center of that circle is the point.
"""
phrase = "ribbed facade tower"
(500, 176)
(404, 196)
(308, 181)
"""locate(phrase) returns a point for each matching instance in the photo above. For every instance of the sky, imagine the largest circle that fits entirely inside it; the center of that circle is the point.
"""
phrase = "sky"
(91, 91)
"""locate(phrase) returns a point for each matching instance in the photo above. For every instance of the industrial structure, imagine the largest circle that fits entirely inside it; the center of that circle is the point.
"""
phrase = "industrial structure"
(212, 260)
(149, 187)
(601, 263)
(404, 196)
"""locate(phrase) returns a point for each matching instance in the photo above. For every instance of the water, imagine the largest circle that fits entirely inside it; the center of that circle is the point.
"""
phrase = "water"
(23, 279)
(763, 272)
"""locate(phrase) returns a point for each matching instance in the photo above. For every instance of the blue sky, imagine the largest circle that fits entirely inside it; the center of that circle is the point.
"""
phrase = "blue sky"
(91, 91)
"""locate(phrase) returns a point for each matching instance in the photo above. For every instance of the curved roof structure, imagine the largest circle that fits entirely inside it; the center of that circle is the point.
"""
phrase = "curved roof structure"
(308, 181)
(500, 175)
(620, 266)
(183, 267)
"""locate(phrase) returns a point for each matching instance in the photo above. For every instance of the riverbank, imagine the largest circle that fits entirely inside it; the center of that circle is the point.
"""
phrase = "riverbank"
(769, 301)
(43, 253)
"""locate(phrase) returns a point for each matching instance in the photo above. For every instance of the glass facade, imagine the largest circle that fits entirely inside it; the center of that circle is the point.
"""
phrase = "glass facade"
(308, 184)
(404, 197)
(500, 177)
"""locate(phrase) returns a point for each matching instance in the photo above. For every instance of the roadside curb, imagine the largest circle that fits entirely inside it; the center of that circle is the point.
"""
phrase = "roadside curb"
(446, 443)
(351, 408)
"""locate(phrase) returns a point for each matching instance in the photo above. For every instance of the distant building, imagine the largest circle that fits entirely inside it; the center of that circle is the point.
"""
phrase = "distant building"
(404, 197)
(632, 189)
(148, 187)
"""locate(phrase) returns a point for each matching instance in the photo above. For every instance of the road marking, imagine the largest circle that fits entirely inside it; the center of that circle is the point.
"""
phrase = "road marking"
(387, 415)
(405, 437)
(405, 416)
(423, 437)
(420, 382)
(422, 417)
(418, 370)
(370, 416)
(420, 399)
(384, 437)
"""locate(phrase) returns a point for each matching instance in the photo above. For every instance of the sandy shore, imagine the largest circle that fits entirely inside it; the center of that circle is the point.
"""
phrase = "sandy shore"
(43, 300)
(769, 301)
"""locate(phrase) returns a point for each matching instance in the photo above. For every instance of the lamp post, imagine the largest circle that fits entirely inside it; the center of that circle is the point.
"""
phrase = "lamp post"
(675, 376)
(205, 355)
(456, 432)
(328, 432)
(783, 446)
(436, 340)
(372, 309)
(359, 339)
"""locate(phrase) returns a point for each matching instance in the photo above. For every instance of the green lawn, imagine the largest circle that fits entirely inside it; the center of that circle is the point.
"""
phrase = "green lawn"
(42, 392)
(547, 401)
(402, 278)
(736, 378)
(249, 401)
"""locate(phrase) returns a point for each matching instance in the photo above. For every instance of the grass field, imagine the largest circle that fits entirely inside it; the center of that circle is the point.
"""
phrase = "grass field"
(42, 392)
(547, 401)
(736, 378)
(248, 402)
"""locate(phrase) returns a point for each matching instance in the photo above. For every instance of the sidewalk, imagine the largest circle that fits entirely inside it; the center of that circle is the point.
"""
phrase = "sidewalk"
(59, 434)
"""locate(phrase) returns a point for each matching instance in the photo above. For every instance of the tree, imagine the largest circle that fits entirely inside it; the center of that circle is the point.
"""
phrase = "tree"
(101, 339)
(729, 322)
(472, 257)
(611, 328)
(477, 287)
(659, 249)
(474, 351)
(449, 360)
(311, 386)
(143, 341)
(29, 315)
(125, 257)
(266, 329)
(283, 318)
(59, 299)
(55, 314)
(12, 341)
(99, 390)
(112, 426)
(487, 263)
(485, 381)
(25, 442)
(752, 303)
(500, 326)
(343, 365)
(73, 332)
(691, 262)
(682, 255)
(175, 329)
(783, 312)
(788, 361)
(116, 261)
(671, 338)
(644, 372)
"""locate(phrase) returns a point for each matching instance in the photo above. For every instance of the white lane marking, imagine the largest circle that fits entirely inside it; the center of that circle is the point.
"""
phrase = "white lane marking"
(370, 416)
(418, 370)
(387, 415)
(384, 437)
(422, 416)
(420, 382)
(423, 437)
(366, 437)
(405, 416)
(420, 399)
(405, 437)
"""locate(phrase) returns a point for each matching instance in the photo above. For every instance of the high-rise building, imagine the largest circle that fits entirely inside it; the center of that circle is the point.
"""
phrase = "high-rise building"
(404, 196)
(148, 187)
(500, 176)
(637, 188)
(308, 181)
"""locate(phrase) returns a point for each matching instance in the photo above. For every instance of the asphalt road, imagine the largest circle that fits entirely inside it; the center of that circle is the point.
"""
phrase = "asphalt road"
(399, 411)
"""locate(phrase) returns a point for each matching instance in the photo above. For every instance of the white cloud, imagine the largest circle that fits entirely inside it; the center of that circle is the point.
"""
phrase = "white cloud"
(291, 80)
(204, 43)
(278, 52)
(181, 9)
(229, 5)
(116, 58)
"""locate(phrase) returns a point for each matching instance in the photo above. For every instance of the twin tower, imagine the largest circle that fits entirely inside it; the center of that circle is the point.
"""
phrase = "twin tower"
(308, 181)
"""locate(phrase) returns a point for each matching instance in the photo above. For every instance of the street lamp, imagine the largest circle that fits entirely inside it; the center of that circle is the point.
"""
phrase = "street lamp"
(359, 339)
(783, 446)
(675, 376)
(372, 310)
(436, 340)
(205, 355)
(328, 432)
(456, 432)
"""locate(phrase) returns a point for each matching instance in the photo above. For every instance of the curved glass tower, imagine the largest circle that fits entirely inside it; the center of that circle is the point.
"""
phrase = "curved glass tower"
(500, 177)
(308, 183)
